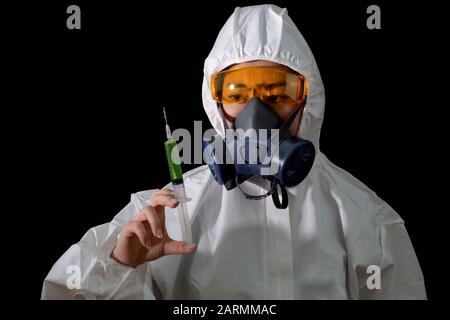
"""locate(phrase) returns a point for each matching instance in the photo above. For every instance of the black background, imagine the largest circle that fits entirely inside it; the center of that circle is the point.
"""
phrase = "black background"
(89, 102)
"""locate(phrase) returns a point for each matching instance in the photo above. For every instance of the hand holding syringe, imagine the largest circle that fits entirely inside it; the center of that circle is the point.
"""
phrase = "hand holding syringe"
(176, 176)
(144, 237)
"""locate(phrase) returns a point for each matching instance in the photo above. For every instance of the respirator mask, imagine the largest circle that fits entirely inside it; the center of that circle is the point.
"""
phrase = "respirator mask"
(258, 147)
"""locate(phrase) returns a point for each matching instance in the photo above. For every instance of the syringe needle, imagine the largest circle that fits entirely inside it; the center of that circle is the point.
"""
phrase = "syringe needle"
(168, 131)
(165, 116)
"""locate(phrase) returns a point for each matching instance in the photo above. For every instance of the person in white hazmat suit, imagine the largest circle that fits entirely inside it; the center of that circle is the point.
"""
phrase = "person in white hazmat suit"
(322, 246)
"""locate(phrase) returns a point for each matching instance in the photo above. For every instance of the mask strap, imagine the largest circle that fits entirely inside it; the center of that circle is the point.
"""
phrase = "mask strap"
(284, 128)
(274, 184)
(273, 187)
(284, 197)
(282, 132)
(226, 116)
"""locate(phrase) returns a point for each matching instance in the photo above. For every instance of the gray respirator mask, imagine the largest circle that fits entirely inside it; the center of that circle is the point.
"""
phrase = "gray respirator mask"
(260, 149)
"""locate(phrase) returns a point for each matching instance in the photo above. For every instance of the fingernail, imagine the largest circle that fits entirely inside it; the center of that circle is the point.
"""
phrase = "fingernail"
(174, 200)
(149, 245)
(159, 233)
(188, 246)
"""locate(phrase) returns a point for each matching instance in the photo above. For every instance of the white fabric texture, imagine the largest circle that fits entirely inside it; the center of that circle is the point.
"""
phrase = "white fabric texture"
(320, 247)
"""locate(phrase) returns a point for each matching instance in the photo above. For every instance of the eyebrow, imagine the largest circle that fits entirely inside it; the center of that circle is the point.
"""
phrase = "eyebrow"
(236, 85)
(265, 85)
(273, 85)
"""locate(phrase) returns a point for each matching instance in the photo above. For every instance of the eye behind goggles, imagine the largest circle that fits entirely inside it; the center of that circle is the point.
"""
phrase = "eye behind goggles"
(276, 86)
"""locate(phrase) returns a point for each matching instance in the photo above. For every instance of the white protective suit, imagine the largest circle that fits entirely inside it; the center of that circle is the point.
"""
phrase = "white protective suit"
(320, 247)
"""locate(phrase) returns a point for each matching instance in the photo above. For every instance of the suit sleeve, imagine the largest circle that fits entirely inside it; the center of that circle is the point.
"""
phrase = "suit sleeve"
(87, 271)
(400, 274)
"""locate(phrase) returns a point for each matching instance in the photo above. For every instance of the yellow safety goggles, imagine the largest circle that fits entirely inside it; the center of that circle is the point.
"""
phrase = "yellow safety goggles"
(275, 85)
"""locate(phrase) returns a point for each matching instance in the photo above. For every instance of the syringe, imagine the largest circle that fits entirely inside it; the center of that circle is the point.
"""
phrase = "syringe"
(176, 176)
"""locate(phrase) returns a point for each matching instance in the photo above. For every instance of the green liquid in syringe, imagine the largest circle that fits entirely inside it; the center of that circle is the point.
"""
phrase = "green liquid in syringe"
(173, 160)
